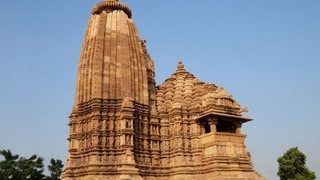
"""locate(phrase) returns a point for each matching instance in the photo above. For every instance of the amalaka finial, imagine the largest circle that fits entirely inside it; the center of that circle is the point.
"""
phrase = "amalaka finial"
(180, 64)
(111, 5)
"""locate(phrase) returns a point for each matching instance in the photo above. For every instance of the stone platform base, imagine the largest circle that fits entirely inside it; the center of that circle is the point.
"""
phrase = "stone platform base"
(220, 176)
(209, 176)
(105, 177)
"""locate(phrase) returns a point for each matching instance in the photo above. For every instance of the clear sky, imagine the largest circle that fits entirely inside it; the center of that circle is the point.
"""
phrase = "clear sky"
(265, 53)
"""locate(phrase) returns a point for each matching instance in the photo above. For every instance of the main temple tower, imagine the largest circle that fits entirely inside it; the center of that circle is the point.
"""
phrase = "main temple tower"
(124, 127)
(115, 93)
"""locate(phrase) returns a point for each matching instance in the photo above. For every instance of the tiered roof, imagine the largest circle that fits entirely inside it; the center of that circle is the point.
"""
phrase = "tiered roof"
(183, 90)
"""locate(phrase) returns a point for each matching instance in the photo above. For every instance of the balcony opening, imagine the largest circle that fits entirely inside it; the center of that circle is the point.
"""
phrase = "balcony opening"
(226, 126)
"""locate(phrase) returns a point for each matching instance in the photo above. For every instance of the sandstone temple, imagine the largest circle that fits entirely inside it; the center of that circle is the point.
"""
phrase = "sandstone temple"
(123, 126)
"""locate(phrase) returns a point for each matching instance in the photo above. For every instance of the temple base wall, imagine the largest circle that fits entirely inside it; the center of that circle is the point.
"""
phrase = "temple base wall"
(227, 175)
(106, 177)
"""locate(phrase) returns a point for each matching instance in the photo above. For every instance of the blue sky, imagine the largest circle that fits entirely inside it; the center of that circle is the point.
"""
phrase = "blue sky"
(265, 53)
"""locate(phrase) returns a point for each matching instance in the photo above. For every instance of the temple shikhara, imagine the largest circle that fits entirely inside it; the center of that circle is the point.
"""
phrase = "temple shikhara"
(123, 126)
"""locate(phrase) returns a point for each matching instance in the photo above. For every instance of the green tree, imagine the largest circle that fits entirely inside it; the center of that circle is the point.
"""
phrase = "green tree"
(292, 166)
(31, 168)
(15, 167)
(8, 165)
(55, 169)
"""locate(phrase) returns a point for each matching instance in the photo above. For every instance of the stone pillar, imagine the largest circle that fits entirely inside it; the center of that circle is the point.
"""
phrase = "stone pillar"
(213, 121)
(202, 128)
(238, 127)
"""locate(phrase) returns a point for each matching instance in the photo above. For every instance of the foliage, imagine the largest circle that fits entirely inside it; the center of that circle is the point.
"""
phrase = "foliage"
(292, 166)
(55, 169)
(7, 166)
(16, 167)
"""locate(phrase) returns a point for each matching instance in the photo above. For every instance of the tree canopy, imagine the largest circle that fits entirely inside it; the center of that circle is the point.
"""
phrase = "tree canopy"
(292, 166)
(55, 169)
(16, 167)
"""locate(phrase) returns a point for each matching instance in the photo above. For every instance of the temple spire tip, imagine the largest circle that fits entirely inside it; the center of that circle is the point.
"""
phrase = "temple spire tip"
(111, 5)
(180, 64)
